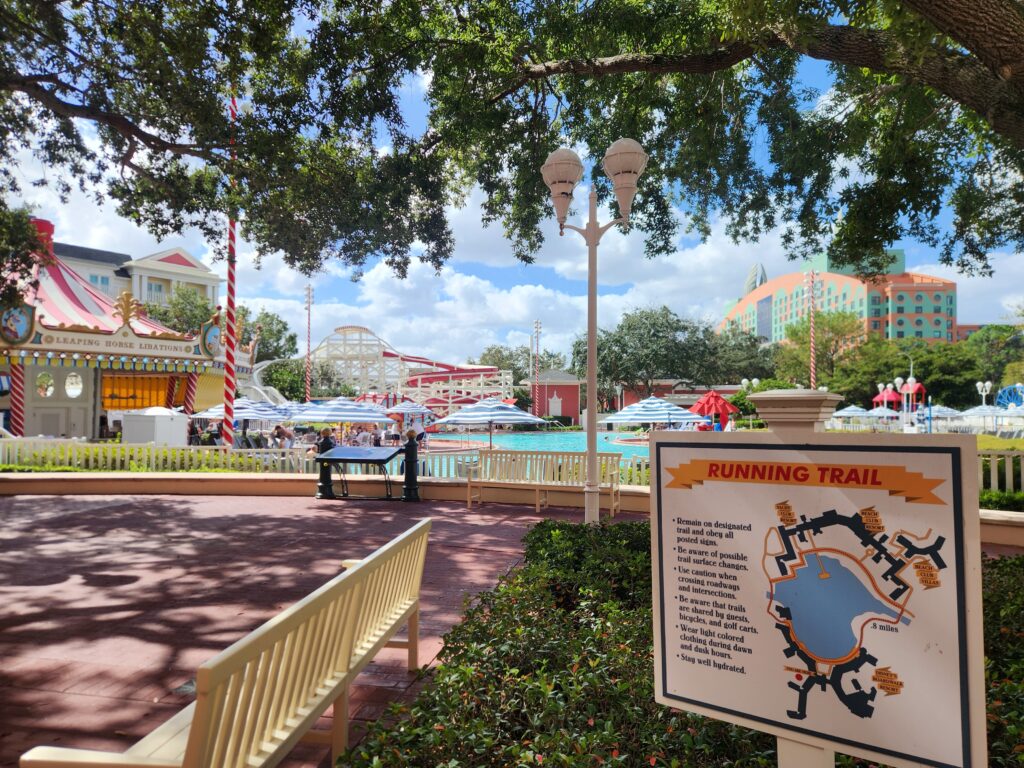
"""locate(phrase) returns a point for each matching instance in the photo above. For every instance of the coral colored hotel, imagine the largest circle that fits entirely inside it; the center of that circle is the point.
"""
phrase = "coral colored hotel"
(896, 305)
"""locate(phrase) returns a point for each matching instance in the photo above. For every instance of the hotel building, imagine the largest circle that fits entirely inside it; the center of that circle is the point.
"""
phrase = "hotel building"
(896, 305)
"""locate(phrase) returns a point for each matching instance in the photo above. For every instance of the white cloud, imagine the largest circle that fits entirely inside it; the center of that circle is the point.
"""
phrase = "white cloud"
(985, 299)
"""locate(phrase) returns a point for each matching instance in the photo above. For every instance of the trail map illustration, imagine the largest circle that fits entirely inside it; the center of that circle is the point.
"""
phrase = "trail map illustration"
(831, 576)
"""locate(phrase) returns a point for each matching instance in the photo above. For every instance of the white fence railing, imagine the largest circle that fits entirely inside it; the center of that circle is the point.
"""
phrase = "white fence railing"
(998, 470)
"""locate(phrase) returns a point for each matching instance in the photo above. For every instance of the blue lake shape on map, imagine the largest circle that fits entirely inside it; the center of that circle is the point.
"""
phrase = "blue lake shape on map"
(822, 611)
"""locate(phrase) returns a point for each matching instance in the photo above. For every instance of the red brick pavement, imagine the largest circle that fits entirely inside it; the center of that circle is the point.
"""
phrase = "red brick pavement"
(108, 604)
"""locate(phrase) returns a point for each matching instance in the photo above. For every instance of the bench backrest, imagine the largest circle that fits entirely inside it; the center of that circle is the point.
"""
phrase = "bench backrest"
(560, 468)
(254, 699)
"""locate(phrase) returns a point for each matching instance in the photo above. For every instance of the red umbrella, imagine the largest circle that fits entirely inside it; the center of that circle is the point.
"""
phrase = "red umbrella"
(713, 404)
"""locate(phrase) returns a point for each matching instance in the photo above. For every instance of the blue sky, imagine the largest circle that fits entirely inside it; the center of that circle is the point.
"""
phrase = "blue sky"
(484, 296)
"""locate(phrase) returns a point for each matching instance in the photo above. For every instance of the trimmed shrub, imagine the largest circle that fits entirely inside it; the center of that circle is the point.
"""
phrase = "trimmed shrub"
(555, 667)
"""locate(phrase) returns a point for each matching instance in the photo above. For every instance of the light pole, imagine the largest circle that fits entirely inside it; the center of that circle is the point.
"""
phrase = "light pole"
(747, 385)
(983, 389)
(623, 163)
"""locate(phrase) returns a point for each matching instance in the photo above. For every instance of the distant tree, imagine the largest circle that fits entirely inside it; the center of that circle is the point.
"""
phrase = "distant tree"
(739, 355)
(276, 341)
(517, 360)
(949, 372)
(647, 345)
(185, 311)
(835, 334)
(996, 346)
(857, 374)
(289, 378)
(19, 253)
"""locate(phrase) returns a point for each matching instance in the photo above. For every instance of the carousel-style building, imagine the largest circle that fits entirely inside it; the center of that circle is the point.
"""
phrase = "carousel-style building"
(73, 357)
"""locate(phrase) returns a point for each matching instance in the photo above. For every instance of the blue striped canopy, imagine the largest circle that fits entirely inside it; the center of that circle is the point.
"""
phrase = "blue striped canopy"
(985, 410)
(244, 408)
(940, 412)
(410, 408)
(341, 409)
(653, 410)
(491, 411)
(850, 410)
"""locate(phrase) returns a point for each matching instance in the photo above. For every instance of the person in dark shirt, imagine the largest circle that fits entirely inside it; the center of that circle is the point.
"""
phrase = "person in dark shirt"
(326, 441)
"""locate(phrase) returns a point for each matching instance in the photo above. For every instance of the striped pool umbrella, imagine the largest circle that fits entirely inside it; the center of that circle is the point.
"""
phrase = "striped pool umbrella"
(410, 408)
(850, 411)
(490, 412)
(340, 410)
(942, 412)
(881, 412)
(245, 409)
(653, 410)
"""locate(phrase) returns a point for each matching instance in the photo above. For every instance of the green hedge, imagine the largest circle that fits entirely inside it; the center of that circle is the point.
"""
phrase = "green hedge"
(555, 667)
(1001, 500)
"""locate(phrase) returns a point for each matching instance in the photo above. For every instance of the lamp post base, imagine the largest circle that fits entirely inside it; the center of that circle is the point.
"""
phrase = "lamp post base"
(591, 504)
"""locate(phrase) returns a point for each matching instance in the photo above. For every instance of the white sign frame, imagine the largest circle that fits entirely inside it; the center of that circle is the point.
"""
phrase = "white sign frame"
(957, 453)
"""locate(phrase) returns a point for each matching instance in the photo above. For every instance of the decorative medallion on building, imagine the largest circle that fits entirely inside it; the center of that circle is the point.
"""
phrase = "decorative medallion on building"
(16, 324)
(127, 307)
(209, 336)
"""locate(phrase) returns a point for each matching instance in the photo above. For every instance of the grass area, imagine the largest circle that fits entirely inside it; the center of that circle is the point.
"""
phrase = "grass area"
(992, 443)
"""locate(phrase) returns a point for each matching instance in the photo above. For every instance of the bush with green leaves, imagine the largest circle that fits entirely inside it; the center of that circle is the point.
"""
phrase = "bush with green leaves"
(1006, 501)
(554, 667)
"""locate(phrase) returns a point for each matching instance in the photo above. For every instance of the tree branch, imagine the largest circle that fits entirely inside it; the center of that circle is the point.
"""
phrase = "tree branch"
(657, 63)
(29, 85)
(993, 30)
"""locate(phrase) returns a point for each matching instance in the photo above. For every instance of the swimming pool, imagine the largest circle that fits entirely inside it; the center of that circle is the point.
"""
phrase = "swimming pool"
(551, 441)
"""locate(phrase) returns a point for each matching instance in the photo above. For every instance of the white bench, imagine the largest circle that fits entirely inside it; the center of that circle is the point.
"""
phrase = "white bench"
(541, 472)
(260, 697)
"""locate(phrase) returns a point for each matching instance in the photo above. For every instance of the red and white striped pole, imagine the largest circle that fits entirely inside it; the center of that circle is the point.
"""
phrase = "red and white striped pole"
(17, 399)
(172, 389)
(813, 304)
(228, 426)
(309, 341)
(191, 386)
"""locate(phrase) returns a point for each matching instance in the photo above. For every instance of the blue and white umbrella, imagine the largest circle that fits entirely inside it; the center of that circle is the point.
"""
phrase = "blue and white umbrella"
(941, 412)
(881, 412)
(984, 410)
(244, 409)
(490, 412)
(850, 411)
(341, 409)
(410, 408)
(653, 410)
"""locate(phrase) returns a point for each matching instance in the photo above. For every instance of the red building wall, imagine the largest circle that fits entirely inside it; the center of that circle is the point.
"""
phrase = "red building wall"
(569, 394)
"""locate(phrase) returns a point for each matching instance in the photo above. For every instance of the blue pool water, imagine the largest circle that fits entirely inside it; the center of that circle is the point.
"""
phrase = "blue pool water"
(551, 441)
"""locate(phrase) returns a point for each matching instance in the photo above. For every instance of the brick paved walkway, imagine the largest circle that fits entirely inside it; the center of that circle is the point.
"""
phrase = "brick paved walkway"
(108, 604)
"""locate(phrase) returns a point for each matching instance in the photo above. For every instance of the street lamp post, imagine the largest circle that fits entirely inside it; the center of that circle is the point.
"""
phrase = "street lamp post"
(623, 163)
(747, 385)
(983, 389)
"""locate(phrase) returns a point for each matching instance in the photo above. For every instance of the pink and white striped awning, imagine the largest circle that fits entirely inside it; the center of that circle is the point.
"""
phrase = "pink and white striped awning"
(65, 299)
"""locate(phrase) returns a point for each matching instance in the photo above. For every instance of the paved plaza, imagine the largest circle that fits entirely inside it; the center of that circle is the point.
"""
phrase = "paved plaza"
(109, 604)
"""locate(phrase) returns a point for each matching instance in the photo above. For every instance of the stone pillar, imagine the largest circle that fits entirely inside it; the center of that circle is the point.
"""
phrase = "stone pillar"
(795, 414)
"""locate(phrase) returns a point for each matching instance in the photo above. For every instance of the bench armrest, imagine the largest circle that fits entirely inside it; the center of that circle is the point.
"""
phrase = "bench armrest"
(62, 757)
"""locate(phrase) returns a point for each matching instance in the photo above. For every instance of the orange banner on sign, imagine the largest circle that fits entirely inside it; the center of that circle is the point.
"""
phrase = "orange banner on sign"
(897, 481)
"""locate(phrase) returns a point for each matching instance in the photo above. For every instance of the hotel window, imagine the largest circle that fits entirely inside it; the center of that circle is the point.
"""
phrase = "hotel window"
(899, 310)
(937, 298)
(876, 313)
(876, 300)
(918, 334)
(937, 322)
(949, 337)
(874, 325)
(937, 308)
(900, 297)
(919, 309)
(919, 297)
(100, 281)
(899, 334)
(900, 322)
(919, 321)
(937, 334)
(949, 299)
(155, 290)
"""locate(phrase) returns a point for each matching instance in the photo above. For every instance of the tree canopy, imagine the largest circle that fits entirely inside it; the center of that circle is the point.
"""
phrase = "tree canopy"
(926, 115)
